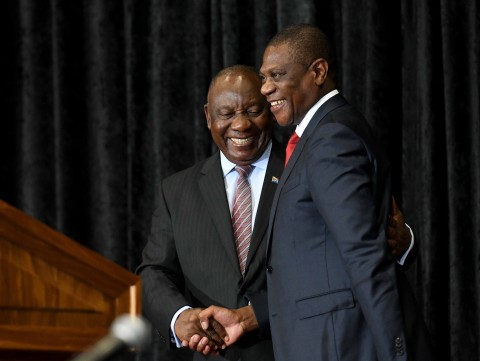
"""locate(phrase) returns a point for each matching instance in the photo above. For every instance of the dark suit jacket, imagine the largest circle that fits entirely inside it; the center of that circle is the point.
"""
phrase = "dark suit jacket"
(332, 284)
(190, 256)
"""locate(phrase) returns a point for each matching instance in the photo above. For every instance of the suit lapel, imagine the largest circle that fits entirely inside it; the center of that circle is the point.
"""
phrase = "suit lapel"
(212, 188)
(330, 105)
(270, 183)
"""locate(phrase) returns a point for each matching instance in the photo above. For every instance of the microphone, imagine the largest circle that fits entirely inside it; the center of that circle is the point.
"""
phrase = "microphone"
(126, 331)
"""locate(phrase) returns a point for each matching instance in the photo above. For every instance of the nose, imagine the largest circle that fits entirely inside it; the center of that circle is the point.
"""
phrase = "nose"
(240, 123)
(267, 87)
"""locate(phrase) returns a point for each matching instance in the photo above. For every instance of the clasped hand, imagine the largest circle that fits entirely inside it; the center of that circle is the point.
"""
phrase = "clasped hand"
(189, 330)
(209, 330)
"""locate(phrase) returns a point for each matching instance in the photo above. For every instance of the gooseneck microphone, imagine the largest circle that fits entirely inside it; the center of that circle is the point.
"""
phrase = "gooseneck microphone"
(126, 331)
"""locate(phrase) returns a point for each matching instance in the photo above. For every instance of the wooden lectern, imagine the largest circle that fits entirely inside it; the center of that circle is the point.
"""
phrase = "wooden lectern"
(57, 297)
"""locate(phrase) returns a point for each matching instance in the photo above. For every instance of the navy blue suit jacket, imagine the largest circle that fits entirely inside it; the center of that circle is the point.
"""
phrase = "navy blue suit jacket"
(332, 284)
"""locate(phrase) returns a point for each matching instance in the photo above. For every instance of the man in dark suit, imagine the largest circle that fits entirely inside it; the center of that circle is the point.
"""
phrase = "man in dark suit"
(190, 260)
(333, 292)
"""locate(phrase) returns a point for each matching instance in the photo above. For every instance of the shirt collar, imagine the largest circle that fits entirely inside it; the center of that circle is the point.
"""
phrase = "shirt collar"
(303, 124)
(261, 162)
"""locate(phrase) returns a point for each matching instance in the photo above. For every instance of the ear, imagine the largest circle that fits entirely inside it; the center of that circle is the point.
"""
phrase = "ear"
(320, 67)
(207, 115)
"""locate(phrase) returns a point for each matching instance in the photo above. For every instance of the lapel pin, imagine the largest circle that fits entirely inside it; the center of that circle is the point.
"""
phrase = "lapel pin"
(275, 180)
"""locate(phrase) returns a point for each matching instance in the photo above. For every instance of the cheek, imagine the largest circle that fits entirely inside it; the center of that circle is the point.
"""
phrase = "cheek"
(297, 100)
(264, 124)
(219, 127)
(219, 139)
(217, 134)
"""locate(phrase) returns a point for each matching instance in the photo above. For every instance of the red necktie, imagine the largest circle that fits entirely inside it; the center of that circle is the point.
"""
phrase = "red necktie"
(292, 142)
(242, 215)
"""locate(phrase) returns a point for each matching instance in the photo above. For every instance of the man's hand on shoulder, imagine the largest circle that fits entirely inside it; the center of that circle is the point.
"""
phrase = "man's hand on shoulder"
(398, 234)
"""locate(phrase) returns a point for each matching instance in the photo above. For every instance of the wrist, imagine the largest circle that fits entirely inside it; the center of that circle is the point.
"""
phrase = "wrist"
(248, 321)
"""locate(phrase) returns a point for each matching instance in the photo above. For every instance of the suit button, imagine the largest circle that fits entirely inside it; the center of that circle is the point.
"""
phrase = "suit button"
(399, 346)
(269, 269)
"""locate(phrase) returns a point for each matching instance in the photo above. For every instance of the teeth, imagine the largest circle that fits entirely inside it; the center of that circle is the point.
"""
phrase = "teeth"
(241, 141)
(277, 102)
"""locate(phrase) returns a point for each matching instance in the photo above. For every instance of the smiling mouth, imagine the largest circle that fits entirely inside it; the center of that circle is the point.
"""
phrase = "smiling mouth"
(241, 141)
(276, 104)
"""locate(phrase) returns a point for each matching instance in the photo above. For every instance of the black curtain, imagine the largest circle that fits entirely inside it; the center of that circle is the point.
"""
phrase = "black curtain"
(101, 99)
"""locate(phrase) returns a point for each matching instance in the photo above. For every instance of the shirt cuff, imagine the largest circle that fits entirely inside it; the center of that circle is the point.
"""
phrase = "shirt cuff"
(174, 338)
(405, 255)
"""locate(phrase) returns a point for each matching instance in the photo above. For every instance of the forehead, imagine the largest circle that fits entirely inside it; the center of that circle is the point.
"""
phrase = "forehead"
(236, 88)
(276, 56)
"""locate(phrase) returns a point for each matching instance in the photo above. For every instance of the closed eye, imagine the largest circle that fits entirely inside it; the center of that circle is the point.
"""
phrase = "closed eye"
(254, 112)
(276, 75)
(225, 115)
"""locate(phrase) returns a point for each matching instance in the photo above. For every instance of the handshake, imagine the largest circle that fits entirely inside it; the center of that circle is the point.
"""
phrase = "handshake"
(214, 328)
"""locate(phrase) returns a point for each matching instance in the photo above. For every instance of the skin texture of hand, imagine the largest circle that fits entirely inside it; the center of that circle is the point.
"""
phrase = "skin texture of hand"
(188, 327)
(235, 323)
(398, 234)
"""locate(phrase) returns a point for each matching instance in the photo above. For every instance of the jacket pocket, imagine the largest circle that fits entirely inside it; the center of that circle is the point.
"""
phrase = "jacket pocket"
(323, 303)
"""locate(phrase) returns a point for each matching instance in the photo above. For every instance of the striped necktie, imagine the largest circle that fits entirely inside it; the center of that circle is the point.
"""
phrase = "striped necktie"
(242, 215)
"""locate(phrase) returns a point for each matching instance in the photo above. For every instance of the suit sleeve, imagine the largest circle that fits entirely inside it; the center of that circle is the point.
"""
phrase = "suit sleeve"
(162, 279)
(259, 302)
(341, 175)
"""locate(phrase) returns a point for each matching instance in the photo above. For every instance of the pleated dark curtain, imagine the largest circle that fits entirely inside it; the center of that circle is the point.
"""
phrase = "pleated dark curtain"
(101, 99)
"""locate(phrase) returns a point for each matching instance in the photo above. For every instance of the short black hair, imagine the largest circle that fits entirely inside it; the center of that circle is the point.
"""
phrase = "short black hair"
(306, 42)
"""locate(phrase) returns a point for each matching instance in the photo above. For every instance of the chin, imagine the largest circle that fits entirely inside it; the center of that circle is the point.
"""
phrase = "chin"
(284, 123)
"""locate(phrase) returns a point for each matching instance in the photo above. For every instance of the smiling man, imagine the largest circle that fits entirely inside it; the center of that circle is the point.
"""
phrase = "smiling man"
(190, 260)
(334, 292)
